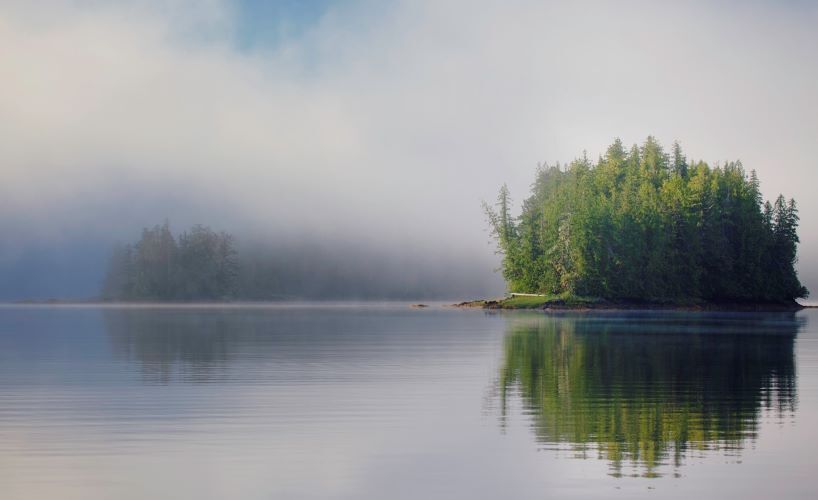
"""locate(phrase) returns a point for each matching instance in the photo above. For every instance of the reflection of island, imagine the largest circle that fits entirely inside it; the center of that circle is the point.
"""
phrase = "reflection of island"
(281, 344)
(174, 343)
(651, 390)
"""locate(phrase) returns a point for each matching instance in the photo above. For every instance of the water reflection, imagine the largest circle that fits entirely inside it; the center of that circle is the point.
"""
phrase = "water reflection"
(190, 345)
(649, 391)
(280, 344)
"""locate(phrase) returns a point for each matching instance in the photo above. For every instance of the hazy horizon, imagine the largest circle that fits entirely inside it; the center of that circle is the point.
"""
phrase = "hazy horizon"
(370, 125)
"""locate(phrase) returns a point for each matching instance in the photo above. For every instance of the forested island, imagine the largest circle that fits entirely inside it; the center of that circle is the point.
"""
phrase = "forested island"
(642, 226)
(200, 264)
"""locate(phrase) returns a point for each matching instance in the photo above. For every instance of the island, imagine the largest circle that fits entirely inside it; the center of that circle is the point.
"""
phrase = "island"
(642, 228)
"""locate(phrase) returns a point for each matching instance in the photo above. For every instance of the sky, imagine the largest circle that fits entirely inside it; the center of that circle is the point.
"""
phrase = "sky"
(384, 124)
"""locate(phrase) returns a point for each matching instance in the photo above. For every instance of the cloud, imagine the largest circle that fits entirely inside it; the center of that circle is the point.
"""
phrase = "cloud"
(381, 123)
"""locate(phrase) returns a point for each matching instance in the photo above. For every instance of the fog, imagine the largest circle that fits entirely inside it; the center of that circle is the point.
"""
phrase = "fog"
(372, 127)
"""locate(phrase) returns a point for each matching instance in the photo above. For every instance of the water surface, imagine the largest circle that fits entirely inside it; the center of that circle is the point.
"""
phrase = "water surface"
(385, 401)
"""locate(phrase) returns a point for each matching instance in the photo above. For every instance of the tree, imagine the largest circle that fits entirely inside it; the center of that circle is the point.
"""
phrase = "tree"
(644, 226)
(154, 261)
(200, 265)
(679, 160)
(206, 266)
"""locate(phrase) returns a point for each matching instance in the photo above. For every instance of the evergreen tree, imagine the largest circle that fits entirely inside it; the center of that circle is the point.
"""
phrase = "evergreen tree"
(679, 160)
(642, 225)
(200, 265)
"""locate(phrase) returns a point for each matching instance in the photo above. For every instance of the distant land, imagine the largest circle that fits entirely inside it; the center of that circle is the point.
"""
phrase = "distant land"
(200, 264)
(641, 228)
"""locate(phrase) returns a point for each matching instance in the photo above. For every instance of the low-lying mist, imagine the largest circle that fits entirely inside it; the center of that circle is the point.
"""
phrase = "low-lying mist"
(291, 268)
(342, 270)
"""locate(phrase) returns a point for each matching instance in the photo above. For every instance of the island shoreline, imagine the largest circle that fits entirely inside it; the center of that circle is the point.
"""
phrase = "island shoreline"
(506, 304)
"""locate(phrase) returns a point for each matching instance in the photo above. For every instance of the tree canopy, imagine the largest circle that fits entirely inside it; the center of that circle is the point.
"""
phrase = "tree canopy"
(198, 265)
(642, 224)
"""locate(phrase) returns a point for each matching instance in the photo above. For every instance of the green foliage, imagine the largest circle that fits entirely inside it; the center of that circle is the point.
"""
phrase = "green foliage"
(644, 225)
(199, 265)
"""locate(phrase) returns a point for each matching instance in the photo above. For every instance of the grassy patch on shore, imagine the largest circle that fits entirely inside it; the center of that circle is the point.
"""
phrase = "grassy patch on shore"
(539, 302)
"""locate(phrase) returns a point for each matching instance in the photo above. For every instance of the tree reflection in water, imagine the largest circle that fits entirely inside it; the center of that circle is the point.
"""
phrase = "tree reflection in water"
(190, 345)
(651, 389)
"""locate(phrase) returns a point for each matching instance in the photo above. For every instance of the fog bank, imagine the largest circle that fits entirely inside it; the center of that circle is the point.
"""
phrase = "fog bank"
(376, 126)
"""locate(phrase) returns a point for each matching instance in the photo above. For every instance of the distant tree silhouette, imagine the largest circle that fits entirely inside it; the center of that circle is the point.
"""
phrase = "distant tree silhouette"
(199, 265)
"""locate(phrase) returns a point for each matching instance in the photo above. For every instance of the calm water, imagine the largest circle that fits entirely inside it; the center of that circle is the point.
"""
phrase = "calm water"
(384, 401)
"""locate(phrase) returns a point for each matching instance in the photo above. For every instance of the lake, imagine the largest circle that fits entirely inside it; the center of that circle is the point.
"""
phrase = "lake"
(377, 401)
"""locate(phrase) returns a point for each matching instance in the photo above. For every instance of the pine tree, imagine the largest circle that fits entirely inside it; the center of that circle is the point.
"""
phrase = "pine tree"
(679, 160)
(643, 226)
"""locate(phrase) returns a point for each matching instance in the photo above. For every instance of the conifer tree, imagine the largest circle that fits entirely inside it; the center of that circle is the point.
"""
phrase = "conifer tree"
(642, 225)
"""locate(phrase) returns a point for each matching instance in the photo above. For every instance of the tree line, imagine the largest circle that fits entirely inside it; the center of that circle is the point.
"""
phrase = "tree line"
(204, 265)
(642, 224)
(199, 264)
